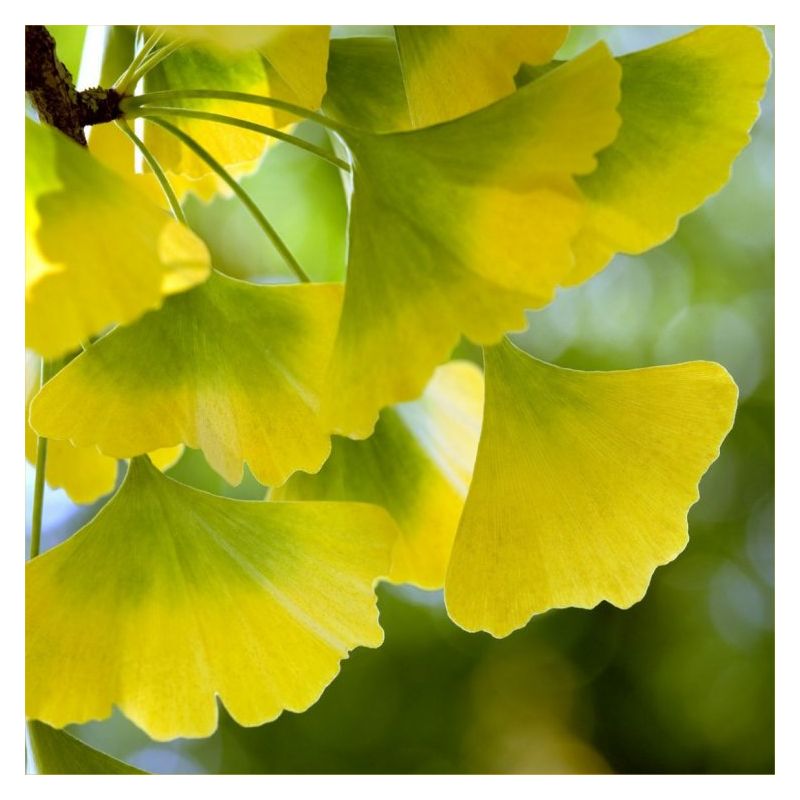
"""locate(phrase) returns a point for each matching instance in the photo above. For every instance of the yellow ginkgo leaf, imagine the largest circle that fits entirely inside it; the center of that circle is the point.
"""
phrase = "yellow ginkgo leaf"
(231, 368)
(687, 106)
(256, 603)
(84, 473)
(98, 252)
(296, 55)
(478, 229)
(451, 70)
(284, 62)
(582, 484)
(417, 465)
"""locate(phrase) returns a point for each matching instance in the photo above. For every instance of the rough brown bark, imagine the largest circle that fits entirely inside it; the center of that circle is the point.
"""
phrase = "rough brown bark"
(52, 91)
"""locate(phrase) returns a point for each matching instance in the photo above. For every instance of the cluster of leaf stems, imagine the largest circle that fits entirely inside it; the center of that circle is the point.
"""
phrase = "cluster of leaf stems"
(150, 106)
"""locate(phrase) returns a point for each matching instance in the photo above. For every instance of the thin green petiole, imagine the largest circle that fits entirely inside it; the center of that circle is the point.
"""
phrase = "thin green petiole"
(139, 100)
(121, 83)
(148, 111)
(157, 170)
(153, 60)
(271, 233)
(38, 484)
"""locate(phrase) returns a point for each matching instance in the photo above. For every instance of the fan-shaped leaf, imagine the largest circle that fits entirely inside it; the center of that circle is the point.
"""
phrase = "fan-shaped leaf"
(230, 368)
(97, 251)
(202, 596)
(582, 484)
(459, 227)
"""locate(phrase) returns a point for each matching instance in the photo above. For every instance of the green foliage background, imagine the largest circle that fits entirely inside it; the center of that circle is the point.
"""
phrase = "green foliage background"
(682, 682)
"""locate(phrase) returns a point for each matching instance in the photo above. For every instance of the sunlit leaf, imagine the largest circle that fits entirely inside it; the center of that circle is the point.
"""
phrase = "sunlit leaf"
(230, 368)
(451, 70)
(56, 752)
(84, 473)
(198, 66)
(456, 229)
(417, 465)
(582, 484)
(687, 106)
(97, 251)
(203, 596)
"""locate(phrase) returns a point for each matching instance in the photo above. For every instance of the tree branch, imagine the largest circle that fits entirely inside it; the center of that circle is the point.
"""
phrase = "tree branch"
(52, 91)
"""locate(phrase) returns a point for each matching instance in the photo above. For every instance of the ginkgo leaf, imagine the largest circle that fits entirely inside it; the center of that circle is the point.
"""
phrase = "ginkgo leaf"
(280, 61)
(478, 229)
(417, 465)
(365, 85)
(98, 252)
(84, 473)
(687, 106)
(230, 368)
(582, 484)
(56, 752)
(451, 70)
(203, 596)
(199, 66)
(296, 55)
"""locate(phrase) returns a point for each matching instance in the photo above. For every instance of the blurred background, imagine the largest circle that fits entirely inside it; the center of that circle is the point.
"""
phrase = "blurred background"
(681, 683)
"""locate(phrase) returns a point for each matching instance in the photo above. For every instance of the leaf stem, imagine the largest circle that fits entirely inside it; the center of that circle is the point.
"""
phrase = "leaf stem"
(38, 483)
(245, 198)
(163, 181)
(153, 60)
(137, 101)
(148, 111)
(121, 84)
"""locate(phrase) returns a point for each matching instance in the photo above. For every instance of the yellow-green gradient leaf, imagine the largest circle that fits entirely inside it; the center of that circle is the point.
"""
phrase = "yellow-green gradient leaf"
(230, 368)
(582, 484)
(365, 85)
(199, 66)
(417, 465)
(687, 106)
(287, 62)
(84, 473)
(171, 597)
(56, 752)
(456, 229)
(451, 70)
(98, 251)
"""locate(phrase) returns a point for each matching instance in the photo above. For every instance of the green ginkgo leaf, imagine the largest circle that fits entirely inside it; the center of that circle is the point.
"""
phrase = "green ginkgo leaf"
(451, 70)
(417, 464)
(687, 107)
(98, 252)
(56, 752)
(431, 73)
(582, 484)
(231, 368)
(456, 229)
(256, 603)
(365, 85)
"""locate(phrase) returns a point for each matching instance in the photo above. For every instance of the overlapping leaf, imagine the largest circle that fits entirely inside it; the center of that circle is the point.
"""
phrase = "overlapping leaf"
(84, 473)
(234, 369)
(452, 70)
(582, 484)
(430, 74)
(687, 106)
(417, 465)
(456, 229)
(203, 596)
(56, 752)
(284, 62)
(97, 251)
